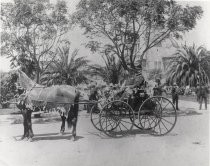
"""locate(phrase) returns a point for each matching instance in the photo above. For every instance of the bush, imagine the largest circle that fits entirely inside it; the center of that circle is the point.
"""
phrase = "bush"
(5, 104)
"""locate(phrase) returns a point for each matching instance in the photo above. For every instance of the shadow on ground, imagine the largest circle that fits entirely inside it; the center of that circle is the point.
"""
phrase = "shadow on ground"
(133, 133)
(51, 136)
(188, 112)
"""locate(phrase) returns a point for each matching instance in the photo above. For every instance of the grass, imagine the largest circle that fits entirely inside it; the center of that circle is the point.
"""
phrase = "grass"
(7, 111)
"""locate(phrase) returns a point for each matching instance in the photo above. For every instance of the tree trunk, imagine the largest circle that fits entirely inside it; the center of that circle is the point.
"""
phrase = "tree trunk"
(37, 77)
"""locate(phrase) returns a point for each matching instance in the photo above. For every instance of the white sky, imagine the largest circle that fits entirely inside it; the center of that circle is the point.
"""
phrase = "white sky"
(200, 35)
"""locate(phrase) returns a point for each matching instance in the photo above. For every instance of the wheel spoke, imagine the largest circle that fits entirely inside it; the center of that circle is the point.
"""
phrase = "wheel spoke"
(112, 125)
(124, 126)
(144, 123)
(167, 121)
(159, 127)
(165, 106)
(109, 124)
(97, 123)
(103, 122)
(164, 125)
(126, 121)
(119, 127)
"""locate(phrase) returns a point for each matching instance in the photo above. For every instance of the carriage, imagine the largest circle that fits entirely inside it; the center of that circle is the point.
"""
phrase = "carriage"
(137, 112)
(117, 117)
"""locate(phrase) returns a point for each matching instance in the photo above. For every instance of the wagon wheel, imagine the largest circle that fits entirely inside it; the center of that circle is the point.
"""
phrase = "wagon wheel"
(157, 114)
(148, 114)
(115, 119)
(94, 116)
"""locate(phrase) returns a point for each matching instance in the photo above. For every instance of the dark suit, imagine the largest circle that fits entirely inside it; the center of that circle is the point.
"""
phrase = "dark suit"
(175, 96)
(203, 94)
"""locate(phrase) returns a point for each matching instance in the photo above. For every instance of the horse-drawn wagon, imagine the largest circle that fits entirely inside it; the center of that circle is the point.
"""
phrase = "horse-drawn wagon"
(156, 115)
(116, 117)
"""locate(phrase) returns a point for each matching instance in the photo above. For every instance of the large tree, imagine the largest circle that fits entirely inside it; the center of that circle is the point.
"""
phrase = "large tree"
(30, 30)
(189, 66)
(130, 28)
(68, 68)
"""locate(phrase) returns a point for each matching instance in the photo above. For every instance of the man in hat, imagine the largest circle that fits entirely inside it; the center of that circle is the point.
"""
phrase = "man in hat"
(203, 94)
(175, 95)
(136, 81)
(137, 86)
(93, 96)
(158, 88)
(197, 92)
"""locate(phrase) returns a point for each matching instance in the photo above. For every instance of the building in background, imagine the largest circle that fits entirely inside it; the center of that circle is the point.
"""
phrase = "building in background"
(156, 59)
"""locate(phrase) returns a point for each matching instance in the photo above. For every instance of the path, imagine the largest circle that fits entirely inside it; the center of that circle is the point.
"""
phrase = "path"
(186, 145)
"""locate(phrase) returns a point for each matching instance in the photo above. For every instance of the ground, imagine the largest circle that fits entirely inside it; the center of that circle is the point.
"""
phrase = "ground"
(186, 145)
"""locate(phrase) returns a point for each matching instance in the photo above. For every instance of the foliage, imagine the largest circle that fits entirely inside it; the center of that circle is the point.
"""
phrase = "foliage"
(8, 87)
(189, 66)
(111, 72)
(155, 73)
(130, 28)
(66, 69)
(30, 29)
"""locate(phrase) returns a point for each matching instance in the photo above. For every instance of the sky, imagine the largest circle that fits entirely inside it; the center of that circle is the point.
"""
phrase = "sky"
(200, 35)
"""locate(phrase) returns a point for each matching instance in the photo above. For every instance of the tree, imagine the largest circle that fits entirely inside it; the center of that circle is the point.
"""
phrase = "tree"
(66, 69)
(130, 28)
(111, 72)
(189, 66)
(8, 87)
(30, 30)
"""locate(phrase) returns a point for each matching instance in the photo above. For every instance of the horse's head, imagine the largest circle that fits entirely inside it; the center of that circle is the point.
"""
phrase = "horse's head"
(23, 80)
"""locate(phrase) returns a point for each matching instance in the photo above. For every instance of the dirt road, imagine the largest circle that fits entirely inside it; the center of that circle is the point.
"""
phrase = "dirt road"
(186, 145)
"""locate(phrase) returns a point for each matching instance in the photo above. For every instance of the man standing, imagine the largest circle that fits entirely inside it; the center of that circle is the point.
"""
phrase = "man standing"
(175, 95)
(158, 88)
(203, 92)
(197, 92)
(93, 97)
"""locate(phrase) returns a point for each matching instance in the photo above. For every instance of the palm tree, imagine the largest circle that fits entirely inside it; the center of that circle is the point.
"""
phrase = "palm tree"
(66, 69)
(111, 72)
(189, 66)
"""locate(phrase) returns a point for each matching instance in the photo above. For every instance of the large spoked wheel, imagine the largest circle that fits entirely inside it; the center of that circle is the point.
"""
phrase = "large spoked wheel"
(94, 116)
(158, 115)
(115, 119)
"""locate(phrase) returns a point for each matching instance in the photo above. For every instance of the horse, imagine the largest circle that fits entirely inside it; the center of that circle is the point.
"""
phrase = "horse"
(62, 98)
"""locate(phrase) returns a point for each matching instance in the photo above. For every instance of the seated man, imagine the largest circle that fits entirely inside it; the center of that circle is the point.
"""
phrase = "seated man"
(93, 97)
(137, 84)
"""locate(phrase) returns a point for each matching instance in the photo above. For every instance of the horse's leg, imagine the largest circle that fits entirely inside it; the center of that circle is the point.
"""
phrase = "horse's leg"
(30, 131)
(25, 125)
(74, 124)
(63, 118)
(74, 121)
